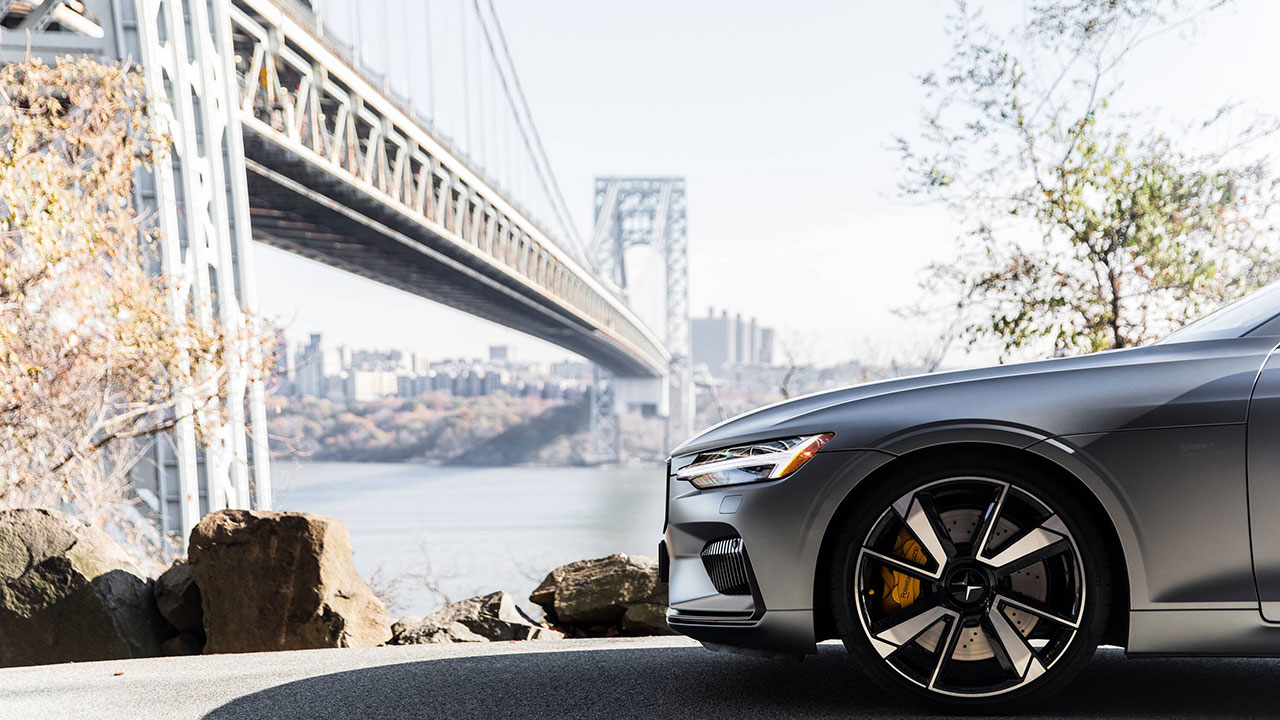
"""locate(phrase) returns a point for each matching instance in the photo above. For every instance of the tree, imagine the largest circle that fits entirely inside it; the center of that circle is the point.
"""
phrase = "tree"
(97, 351)
(797, 352)
(1083, 228)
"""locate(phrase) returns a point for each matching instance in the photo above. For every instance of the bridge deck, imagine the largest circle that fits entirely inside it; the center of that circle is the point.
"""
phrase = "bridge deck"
(309, 212)
(340, 173)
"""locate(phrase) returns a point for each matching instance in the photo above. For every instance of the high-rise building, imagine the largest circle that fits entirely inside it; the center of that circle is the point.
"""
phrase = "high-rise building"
(309, 369)
(765, 353)
(722, 343)
(739, 341)
(713, 338)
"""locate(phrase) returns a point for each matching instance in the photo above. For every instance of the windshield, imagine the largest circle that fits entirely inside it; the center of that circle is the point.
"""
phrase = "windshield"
(1232, 320)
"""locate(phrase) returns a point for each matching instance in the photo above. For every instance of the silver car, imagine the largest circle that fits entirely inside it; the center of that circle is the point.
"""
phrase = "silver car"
(972, 536)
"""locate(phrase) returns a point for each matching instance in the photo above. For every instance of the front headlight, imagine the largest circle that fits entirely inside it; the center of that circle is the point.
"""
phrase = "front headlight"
(753, 462)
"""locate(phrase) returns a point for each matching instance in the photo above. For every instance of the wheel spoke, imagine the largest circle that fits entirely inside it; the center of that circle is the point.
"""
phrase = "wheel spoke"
(894, 632)
(989, 521)
(1050, 538)
(1007, 641)
(921, 517)
(946, 649)
(996, 643)
(901, 565)
(1036, 607)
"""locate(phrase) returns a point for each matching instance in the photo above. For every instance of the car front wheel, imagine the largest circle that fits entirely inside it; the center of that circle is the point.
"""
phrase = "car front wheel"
(972, 587)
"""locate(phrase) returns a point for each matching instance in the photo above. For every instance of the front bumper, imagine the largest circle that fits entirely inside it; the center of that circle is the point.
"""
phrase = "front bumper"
(781, 525)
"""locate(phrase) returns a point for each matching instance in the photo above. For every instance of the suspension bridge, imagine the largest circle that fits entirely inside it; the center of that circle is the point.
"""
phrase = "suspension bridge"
(391, 139)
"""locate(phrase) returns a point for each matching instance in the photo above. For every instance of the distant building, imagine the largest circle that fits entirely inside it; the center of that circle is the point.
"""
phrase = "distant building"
(335, 388)
(367, 385)
(571, 370)
(766, 347)
(309, 377)
(714, 340)
(723, 343)
(406, 386)
(739, 341)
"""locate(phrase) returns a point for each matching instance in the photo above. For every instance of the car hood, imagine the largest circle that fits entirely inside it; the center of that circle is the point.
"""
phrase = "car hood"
(789, 416)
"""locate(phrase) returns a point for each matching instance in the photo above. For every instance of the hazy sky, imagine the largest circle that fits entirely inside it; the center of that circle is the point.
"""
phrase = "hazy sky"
(781, 116)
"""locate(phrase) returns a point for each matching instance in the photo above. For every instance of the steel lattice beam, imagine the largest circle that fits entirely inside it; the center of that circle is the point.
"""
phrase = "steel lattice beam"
(298, 93)
(209, 243)
(636, 211)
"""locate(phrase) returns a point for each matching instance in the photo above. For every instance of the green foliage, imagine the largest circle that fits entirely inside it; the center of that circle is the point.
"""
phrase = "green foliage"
(1080, 236)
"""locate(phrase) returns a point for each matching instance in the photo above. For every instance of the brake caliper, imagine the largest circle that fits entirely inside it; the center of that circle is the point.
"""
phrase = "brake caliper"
(901, 589)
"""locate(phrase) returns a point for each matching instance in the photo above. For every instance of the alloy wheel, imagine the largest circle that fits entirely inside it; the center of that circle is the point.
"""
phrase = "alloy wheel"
(969, 587)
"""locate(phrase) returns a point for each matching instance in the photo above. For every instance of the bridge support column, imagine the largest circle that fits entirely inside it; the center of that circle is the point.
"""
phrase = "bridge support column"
(650, 211)
(605, 446)
(188, 66)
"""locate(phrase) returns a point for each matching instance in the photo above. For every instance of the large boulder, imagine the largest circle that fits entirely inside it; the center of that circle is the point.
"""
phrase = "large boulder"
(606, 596)
(281, 581)
(68, 593)
(178, 598)
(485, 618)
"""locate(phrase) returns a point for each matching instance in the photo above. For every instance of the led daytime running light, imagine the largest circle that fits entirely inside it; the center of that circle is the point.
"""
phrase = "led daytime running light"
(753, 462)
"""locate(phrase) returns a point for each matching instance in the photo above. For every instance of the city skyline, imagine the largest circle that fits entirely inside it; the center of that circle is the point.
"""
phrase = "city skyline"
(723, 343)
(314, 369)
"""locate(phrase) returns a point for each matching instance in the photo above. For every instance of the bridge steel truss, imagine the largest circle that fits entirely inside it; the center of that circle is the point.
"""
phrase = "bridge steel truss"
(297, 94)
(647, 211)
(187, 63)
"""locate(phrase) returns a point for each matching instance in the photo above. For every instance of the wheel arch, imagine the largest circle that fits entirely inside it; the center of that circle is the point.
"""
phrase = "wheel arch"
(1116, 632)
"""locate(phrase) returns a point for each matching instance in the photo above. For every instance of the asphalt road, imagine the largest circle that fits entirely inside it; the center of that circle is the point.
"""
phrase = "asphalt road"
(613, 679)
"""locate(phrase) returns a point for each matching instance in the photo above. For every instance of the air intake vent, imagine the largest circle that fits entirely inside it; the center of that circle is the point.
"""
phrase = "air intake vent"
(726, 563)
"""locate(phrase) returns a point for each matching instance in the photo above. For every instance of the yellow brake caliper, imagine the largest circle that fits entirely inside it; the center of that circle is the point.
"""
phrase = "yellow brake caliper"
(900, 589)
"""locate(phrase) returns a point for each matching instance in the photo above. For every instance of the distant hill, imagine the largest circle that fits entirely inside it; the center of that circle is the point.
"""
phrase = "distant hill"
(528, 441)
(495, 429)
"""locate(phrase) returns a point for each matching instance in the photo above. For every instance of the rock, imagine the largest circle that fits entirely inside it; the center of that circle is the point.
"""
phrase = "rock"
(187, 643)
(649, 618)
(417, 631)
(619, 592)
(485, 618)
(68, 593)
(178, 598)
(281, 581)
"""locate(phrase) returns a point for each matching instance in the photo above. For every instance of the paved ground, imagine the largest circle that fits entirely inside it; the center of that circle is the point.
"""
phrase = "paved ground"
(610, 679)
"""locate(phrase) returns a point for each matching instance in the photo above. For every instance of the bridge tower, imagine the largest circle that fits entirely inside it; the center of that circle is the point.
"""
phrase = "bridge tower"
(646, 211)
(200, 201)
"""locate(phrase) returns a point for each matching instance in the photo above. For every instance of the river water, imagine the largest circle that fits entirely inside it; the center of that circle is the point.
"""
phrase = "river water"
(450, 531)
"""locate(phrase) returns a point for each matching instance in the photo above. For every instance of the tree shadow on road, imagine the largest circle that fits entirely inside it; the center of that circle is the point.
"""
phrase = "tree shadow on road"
(693, 683)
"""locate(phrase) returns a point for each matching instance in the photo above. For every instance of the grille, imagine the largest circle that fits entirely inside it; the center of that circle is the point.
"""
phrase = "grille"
(726, 563)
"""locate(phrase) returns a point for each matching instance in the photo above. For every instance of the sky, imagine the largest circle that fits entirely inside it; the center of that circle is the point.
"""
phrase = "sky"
(781, 117)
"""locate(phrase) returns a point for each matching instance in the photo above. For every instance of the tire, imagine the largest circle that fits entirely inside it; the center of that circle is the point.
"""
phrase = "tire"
(970, 585)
